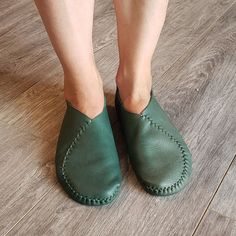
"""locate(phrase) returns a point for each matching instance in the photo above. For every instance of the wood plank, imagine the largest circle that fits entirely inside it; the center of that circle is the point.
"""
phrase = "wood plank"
(38, 111)
(215, 224)
(26, 174)
(20, 52)
(208, 128)
(180, 90)
(185, 23)
(220, 218)
(225, 200)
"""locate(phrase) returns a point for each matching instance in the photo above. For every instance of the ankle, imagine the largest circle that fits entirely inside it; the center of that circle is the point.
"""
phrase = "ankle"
(134, 89)
(134, 82)
(85, 93)
(90, 104)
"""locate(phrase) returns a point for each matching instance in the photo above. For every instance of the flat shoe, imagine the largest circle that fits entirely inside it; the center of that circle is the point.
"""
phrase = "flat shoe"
(87, 163)
(158, 154)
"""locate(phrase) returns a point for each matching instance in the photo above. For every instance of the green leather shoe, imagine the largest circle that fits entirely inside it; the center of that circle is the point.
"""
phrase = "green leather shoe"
(87, 163)
(159, 156)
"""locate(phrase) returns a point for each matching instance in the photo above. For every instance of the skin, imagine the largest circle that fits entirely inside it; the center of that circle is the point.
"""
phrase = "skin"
(69, 25)
(139, 24)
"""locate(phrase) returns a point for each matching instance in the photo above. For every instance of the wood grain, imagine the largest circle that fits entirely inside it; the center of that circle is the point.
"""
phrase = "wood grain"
(220, 218)
(215, 224)
(26, 174)
(225, 201)
(194, 79)
(206, 119)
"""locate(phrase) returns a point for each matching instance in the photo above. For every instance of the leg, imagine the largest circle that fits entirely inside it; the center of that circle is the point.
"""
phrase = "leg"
(158, 154)
(87, 167)
(69, 26)
(139, 25)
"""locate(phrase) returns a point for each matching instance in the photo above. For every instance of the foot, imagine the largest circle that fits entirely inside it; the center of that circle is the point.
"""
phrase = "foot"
(134, 90)
(85, 94)
(157, 152)
(87, 163)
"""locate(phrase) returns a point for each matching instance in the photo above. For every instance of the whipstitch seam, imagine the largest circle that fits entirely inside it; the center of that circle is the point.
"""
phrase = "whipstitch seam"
(183, 155)
(66, 158)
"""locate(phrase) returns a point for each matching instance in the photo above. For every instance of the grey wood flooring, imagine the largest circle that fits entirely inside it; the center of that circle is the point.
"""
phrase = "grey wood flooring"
(194, 79)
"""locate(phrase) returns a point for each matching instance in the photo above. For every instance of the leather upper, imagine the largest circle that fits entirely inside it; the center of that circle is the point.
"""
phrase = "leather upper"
(86, 159)
(159, 156)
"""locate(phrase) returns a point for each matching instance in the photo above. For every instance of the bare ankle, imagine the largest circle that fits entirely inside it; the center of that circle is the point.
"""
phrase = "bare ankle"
(85, 94)
(134, 89)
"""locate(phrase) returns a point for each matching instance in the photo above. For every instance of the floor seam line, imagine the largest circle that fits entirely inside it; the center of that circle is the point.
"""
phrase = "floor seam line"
(212, 198)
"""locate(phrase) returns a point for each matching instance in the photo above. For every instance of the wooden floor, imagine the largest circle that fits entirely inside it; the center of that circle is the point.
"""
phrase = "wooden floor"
(194, 78)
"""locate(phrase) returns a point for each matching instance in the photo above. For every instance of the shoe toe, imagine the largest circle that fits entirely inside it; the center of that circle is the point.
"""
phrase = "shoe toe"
(168, 167)
(161, 162)
(89, 190)
(170, 180)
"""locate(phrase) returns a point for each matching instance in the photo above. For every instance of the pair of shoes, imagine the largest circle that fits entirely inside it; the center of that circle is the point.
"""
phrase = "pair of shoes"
(87, 163)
